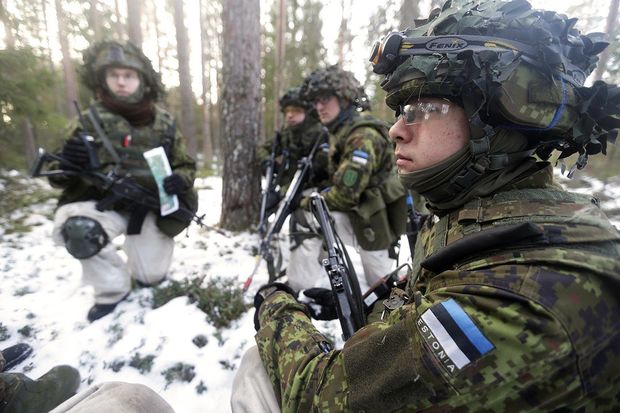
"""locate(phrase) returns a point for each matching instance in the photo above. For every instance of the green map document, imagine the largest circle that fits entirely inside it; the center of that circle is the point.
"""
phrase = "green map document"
(160, 168)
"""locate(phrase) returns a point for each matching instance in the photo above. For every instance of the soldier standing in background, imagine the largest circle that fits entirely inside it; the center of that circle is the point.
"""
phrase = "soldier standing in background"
(126, 87)
(512, 301)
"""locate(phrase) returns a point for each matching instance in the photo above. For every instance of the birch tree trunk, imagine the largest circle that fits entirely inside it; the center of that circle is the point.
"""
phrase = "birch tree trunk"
(185, 80)
(240, 105)
(67, 63)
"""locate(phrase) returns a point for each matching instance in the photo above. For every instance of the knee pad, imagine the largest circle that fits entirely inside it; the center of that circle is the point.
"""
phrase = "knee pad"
(83, 236)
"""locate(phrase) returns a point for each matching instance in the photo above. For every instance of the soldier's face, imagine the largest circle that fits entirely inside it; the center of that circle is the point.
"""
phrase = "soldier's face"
(431, 139)
(294, 115)
(328, 108)
(122, 81)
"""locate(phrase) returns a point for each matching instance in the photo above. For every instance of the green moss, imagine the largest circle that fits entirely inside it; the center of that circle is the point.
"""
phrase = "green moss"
(143, 364)
(179, 372)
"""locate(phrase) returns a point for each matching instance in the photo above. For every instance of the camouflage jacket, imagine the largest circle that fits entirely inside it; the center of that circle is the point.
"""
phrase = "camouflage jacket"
(130, 143)
(517, 311)
(294, 143)
(364, 182)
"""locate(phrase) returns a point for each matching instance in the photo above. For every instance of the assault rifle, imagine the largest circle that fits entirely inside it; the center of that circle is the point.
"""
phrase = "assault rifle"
(270, 185)
(117, 188)
(286, 206)
(342, 277)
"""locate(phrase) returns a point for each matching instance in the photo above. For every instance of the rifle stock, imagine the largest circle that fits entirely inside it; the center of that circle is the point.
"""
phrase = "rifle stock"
(269, 185)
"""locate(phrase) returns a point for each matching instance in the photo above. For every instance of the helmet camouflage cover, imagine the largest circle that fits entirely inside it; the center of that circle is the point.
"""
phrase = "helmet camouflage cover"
(333, 80)
(509, 66)
(106, 54)
(292, 97)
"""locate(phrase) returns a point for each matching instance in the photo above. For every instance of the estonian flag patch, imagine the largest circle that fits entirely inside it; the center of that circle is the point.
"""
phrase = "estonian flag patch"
(360, 157)
(452, 336)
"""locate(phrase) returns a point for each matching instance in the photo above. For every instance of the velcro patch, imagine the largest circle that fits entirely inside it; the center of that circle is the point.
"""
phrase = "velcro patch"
(454, 339)
(360, 157)
(350, 176)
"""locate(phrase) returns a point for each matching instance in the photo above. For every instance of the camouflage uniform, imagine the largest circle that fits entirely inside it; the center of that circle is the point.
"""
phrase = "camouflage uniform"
(364, 193)
(132, 125)
(543, 317)
(511, 303)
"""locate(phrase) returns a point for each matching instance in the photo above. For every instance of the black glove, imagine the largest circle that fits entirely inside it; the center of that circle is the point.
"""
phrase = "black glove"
(321, 304)
(264, 292)
(175, 184)
(76, 152)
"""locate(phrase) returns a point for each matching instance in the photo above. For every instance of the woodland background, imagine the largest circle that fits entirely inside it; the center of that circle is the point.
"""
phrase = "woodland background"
(250, 52)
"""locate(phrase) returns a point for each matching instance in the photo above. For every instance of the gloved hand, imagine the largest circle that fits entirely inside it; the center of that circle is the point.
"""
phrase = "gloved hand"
(175, 184)
(320, 303)
(264, 292)
(75, 152)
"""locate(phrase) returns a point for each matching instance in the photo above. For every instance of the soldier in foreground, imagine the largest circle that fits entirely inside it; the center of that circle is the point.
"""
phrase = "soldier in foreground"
(363, 192)
(121, 124)
(512, 302)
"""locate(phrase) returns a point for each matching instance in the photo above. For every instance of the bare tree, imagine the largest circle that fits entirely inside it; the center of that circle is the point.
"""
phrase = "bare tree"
(118, 25)
(279, 61)
(6, 21)
(409, 11)
(344, 32)
(612, 21)
(67, 64)
(205, 60)
(185, 80)
(134, 17)
(240, 104)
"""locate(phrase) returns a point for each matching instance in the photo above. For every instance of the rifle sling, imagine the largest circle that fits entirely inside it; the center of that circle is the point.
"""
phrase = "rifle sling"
(96, 121)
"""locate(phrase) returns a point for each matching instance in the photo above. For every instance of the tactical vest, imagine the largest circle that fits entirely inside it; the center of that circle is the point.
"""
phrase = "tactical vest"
(380, 217)
(130, 143)
(526, 229)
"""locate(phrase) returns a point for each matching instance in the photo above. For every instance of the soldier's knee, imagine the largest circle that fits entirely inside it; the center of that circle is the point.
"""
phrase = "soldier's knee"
(84, 237)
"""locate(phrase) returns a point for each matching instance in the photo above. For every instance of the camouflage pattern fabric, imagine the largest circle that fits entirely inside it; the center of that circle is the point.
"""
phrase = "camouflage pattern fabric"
(295, 143)
(532, 326)
(364, 180)
(130, 143)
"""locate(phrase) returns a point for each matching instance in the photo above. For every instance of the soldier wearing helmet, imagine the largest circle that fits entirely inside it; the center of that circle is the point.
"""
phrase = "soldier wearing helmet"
(363, 192)
(290, 144)
(511, 303)
(125, 88)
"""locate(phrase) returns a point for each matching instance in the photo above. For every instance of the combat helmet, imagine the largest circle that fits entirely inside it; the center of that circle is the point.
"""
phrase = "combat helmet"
(292, 97)
(512, 68)
(333, 80)
(114, 54)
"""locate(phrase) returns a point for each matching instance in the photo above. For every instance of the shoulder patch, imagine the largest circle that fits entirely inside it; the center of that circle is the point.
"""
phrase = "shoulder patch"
(360, 157)
(453, 338)
(349, 178)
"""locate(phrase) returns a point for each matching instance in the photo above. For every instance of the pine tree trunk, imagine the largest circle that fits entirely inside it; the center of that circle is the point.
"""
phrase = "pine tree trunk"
(30, 144)
(240, 105)
(67, 64)
(119, 24)
(185, 80)
(279, 63)
(134, 21)
(612, 21)
(9, 38)
(205, 60)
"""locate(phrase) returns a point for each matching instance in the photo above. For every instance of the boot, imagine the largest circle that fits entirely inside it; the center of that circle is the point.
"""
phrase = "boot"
(100, 310)
(19, 394)
(14, 355)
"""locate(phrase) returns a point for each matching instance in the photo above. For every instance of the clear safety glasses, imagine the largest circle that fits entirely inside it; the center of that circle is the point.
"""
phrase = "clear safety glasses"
(418, 112)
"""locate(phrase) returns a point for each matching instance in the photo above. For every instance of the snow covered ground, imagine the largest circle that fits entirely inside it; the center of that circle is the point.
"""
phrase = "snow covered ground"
(43, 303)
